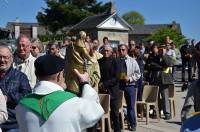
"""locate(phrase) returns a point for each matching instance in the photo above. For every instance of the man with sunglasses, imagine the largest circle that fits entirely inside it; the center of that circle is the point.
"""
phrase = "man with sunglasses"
(129, 74)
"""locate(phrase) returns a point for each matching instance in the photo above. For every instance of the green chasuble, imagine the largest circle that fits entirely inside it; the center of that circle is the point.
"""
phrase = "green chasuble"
(44, 105)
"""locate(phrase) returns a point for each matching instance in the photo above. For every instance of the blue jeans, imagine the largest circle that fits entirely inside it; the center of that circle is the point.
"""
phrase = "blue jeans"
(13, 130)
(174, 72)
(129, 92)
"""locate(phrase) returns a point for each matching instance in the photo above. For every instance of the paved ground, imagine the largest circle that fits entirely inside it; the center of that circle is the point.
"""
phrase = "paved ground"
(172, 125)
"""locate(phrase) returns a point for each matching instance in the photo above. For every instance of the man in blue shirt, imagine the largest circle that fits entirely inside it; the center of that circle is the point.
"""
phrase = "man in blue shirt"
(14, 85)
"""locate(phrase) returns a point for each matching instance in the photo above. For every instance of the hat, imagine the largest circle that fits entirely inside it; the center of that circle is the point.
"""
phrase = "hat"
(48, 65)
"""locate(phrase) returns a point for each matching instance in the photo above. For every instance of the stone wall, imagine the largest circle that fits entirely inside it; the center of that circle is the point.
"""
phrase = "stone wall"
(114, 36)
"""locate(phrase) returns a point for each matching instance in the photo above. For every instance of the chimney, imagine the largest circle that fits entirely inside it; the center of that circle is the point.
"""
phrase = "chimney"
(113, 8)
(174, 25)
(17, 20)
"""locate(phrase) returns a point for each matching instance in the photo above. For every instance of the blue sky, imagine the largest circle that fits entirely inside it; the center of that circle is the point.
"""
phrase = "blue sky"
(185, 12)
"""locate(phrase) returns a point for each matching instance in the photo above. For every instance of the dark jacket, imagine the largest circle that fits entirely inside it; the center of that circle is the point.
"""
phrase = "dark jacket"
(186, 50)
(140, 61)
(197, 53)
(166, 62)
(153, 67)
(14, 85)
(109, 70)
(157, 64)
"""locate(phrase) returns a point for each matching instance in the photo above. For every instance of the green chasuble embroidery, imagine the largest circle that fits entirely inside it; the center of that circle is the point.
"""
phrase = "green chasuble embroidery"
(44, 105)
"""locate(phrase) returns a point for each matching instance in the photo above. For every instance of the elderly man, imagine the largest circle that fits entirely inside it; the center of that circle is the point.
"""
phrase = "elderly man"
(50, 108)
(23, 60)
(129, 75)
(110, 82)
(13, 84)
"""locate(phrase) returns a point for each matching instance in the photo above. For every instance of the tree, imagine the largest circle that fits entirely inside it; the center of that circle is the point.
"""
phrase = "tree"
(61, 13)
(160, 36)
(133, 17)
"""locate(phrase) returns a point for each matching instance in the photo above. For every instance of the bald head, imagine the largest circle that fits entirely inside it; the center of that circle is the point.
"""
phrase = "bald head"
(107, 51)
(107, 47)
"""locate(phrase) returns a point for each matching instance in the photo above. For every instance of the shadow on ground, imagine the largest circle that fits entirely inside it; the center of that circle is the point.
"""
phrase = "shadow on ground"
(175, 122)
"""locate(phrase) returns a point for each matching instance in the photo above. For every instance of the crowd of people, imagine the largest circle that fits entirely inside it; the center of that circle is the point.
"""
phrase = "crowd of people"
(33, 88)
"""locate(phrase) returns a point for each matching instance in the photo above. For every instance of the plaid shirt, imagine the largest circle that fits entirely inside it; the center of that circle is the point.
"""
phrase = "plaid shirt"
(14, 85)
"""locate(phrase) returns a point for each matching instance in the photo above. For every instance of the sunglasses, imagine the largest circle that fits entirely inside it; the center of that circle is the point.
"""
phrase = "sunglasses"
(34, 47)
(122, 49)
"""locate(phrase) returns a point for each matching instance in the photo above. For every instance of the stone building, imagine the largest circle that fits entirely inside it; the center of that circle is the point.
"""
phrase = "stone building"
(110, 25)
(141, 32)
(32, 30)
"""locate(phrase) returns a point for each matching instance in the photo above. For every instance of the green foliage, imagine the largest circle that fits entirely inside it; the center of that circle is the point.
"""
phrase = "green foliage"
(50, 37)
(133, 17)
(60, 13)
(160, 36)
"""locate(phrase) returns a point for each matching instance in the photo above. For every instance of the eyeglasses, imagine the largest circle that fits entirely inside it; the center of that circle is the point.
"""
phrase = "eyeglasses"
(34, 47)
(52, 48)
(122, 49)
(5, 57)
(106, 50)
(23, 46)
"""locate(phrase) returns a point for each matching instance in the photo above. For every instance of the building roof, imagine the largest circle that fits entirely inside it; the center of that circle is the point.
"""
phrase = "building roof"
(41, 30)
(10, 25)
(93, 22)
(151, 28)
(24, 24)
(3, 29)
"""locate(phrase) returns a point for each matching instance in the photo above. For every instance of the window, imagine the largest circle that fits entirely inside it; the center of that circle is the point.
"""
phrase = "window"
(114, 43)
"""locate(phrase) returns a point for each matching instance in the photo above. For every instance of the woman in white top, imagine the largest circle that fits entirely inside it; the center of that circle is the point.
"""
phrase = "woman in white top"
(3, 109)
